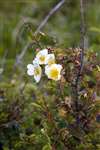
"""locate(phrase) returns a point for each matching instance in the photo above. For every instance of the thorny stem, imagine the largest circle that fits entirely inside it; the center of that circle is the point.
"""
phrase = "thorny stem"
(82, 46)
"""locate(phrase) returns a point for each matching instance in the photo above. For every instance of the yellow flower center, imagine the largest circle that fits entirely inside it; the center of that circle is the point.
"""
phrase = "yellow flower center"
(37, 71)
(42, 58)
(54, 73)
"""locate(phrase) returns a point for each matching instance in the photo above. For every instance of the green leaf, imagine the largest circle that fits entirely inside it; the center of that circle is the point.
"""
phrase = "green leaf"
(95, 29)
(36, 105)
(47, 147)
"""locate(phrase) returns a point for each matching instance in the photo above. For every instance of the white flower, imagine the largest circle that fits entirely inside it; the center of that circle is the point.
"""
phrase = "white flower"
(30, 70)
(50, 59)
(34, 70)
(53, 71)
(41, 56)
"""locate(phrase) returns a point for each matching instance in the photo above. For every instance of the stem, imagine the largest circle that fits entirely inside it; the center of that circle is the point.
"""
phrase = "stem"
(52, 11)
(82, 46)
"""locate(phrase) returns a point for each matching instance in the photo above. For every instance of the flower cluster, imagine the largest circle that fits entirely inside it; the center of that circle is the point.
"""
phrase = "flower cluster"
(52, 70)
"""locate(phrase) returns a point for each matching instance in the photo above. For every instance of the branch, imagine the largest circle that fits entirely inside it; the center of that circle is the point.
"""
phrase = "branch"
(82, 46)
(52, 11)
(42, 24)
(21, 55)
(83, 25)
(24, 21)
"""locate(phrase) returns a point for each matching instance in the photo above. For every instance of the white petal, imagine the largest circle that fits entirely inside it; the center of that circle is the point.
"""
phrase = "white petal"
(50, 59)
(43, 52)
(37, 73)
(50, 68)
(41, 56)
(35, 61)
(47, 70)
(37, 78)
(30, 72)
(59, 67)
(59, 77)
(30, 66)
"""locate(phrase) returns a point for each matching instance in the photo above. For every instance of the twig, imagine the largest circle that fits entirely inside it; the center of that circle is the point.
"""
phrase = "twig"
(82, 46)
(21, 55)
(83, 25)
(24, 21)
(52, 11)
(42, 24)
